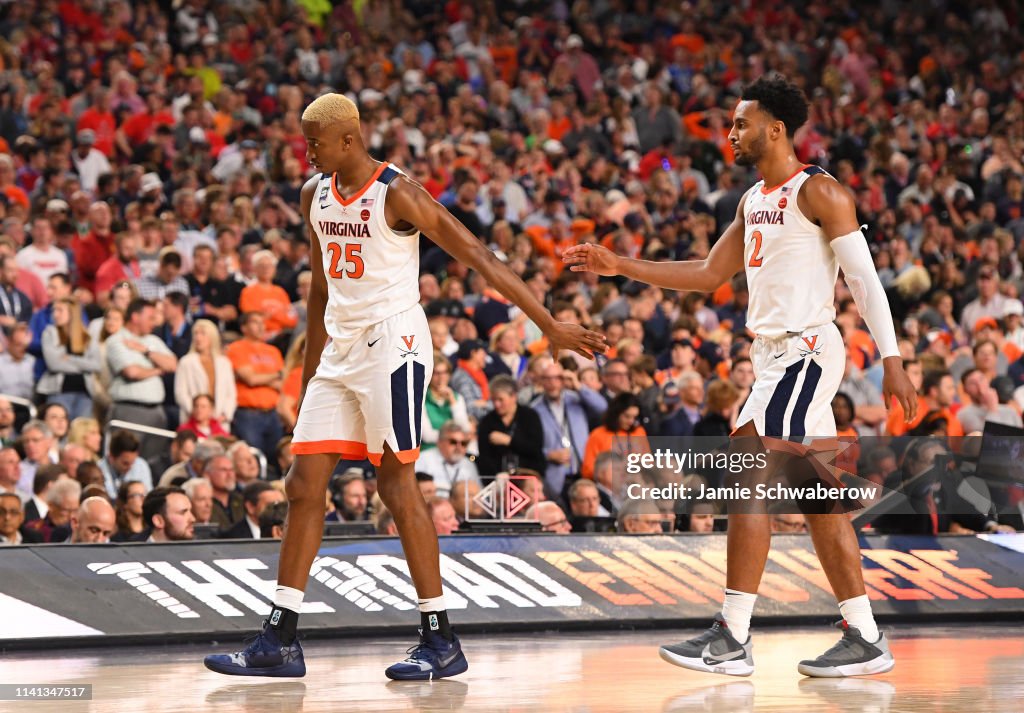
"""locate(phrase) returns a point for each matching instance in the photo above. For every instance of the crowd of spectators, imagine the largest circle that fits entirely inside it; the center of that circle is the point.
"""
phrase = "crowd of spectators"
(154, 266)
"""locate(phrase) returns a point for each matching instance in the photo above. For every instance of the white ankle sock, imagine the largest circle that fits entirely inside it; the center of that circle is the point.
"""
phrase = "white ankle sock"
(432, 604)
(736, 611)
(288, 598)
(857, 612)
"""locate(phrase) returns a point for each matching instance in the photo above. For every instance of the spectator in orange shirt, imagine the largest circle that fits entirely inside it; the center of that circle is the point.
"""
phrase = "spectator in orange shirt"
(619, 433)
(258, 373)
(268, 299)
(288, 401)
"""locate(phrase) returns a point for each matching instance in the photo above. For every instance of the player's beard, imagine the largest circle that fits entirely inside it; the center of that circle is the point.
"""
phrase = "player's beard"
(753, 153)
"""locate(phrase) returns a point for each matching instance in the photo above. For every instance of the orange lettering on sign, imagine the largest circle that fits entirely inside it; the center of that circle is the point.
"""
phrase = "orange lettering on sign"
(879, 578)
(594, 581)
(686, 568)
(648, 582)
(778, 587)
(917, 571)
(681, 589)
(806, 564)
(942, 559)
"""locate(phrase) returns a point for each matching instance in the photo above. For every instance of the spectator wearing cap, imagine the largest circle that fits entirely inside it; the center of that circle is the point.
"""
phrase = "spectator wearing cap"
(565, 408)
(620, 432)
(167, 278)
(465, 206)
(511, 436)
(709, 356)
(469, 379)
(90, 162)
(683, 405)
(42, 258)
(1013, 319)
(122, 266)
(245, 158)
(989, 302)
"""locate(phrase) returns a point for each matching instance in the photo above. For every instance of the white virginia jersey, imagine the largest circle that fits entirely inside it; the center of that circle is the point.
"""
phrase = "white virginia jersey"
(372, 271)
(791, 269)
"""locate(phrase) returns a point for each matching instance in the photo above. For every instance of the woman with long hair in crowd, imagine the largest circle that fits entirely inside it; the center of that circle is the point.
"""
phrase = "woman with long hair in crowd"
(128, 509)
(620, 432)
(442, 403)
(72, 359)
(205, 370)
(85, 431)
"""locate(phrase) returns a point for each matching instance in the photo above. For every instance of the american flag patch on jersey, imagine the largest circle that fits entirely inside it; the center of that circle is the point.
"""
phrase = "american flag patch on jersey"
(785, 189)
(366, 202)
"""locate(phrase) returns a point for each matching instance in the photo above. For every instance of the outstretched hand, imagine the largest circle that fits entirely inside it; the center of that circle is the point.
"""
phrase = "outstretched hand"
(589, 257)
(565, 335)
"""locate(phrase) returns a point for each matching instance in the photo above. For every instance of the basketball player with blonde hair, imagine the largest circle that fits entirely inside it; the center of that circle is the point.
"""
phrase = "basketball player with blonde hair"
(362, 393)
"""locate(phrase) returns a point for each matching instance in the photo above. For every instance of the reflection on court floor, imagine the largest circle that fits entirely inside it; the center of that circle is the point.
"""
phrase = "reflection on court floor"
(939, 669)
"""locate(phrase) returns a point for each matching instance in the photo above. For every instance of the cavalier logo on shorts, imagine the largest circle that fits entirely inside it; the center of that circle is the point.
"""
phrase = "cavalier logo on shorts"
(810, 346)
(783, 202)
(409, 346)
(365, 215)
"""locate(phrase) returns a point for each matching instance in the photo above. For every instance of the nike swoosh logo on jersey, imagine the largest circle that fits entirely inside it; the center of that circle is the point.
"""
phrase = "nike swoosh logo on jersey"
(370, 344)
(779, 355)
(324, 207)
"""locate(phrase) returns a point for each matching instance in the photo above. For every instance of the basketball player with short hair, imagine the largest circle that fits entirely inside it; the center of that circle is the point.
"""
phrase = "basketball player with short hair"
(792, 232)
(362, 393)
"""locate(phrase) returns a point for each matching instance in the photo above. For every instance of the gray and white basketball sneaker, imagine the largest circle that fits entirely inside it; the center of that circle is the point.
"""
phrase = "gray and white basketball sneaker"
(852, 655)
(714, 651)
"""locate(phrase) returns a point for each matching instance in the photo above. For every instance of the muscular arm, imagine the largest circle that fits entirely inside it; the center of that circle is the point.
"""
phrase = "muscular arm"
(724, 261)
(409, 202)
(824, 201)
(316, 332)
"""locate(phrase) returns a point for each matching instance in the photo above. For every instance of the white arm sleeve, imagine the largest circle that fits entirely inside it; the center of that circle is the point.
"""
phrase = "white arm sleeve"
(862, 279)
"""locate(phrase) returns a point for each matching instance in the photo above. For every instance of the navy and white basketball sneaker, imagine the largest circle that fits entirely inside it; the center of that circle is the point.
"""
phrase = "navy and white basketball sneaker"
(434, 657)
(714, 651)
(265, 655)
(852, 655)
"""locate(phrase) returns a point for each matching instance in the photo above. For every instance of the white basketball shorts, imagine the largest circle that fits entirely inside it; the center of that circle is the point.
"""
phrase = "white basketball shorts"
(796, 376)
(368, 391)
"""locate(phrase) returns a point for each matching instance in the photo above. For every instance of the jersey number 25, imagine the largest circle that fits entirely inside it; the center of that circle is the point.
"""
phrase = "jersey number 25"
(352, 258)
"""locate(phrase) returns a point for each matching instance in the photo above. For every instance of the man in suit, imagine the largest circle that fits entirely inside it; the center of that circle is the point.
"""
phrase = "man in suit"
(12, 515)
(36, 508)
(937, 505)
(256, 496)
(564, 409)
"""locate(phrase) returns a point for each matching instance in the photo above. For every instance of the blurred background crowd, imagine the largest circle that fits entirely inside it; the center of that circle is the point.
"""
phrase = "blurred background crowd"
(154, 266)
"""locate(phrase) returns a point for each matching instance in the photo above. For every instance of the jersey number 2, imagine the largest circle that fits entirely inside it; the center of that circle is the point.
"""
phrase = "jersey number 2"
(352, 257)
(755, 257)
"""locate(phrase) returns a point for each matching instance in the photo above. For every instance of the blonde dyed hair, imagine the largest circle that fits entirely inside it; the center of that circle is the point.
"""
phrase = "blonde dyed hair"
(331, 108)
(212, 332)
